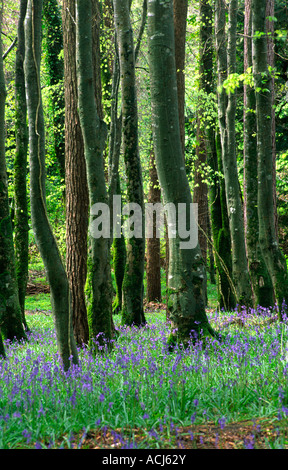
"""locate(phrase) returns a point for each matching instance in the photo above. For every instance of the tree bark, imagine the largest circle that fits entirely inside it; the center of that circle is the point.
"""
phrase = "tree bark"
(186, 304)
(94, 132)
(46, 243)
(132, 308)
(77, 198)
(10, 311)
(21, 226)
(260, 278)
(275, 260)
(226, 111)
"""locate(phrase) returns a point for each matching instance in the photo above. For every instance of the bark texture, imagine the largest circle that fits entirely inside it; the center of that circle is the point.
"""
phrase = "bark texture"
(77, 198)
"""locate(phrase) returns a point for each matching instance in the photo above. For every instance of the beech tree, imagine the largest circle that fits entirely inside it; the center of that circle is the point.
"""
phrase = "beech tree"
(226, 58)
(260, 278)
(132, 308)
(10, 312)
(186, 304)
(45, 240)
(21, 226)
(271, 251)
(94, 132)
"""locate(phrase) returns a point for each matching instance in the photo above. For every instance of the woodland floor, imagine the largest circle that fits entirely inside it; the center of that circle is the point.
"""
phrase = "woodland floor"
(256, 434)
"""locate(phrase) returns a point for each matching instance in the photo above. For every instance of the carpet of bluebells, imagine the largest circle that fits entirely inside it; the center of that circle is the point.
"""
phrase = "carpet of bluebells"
(140, 384)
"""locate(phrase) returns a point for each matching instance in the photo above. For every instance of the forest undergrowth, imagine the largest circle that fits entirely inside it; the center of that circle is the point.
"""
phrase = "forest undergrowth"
(228, 394)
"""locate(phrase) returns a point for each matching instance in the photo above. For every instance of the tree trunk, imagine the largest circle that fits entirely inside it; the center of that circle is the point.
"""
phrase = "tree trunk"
(226, 111)
(10, 311)
(132, 309)
(21, 227)
(94, 133)
(260, 278)
(275, 260)
(46, 243)
(180, 10)
(77, 198)
(186, 304)
(153, 272)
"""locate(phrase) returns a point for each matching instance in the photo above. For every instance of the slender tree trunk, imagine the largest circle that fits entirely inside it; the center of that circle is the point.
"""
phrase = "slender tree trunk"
(46, 243)
(21, 227)
(10, 311)
(260, 278)
(77, 198)
(275, 260)
(94, 134)
(186, 304)
(132, 309)
(153, 272)
(226, 110)
(54, 60)
(270, 13)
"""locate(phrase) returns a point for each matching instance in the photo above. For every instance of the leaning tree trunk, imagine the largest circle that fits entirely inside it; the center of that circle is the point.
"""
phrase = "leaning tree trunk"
(94, 133)
(186, 305)
(132, 308)
(77, 197)
(260, 278)
(275, 260)
(10, 311)
(226, 111)
(21, 226)
(46, 243)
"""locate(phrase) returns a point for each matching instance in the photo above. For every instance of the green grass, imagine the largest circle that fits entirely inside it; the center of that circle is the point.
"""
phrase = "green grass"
(38, 302)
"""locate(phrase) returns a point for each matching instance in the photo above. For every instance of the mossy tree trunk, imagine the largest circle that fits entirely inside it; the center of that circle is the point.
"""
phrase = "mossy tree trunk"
(186, 304)
(77, 197)
(260, 278)
(273, 256)
(10, 311)
(21, 226)
(94, 132)
(45, 240)
(226, 58)
(132, 308)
